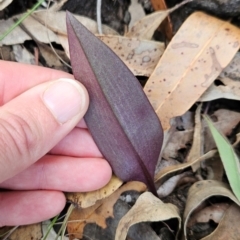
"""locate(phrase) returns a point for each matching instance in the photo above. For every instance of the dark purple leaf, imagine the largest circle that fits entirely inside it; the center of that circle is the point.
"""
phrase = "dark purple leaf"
(120, 117)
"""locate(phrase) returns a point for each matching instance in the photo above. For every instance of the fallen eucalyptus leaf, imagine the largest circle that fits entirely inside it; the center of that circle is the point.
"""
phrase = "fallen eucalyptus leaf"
(204, 50)
(202, 190)
(88, 199)
(120, 117)
(147, 208)
(140, 56)
(228, 227)
(102, 213)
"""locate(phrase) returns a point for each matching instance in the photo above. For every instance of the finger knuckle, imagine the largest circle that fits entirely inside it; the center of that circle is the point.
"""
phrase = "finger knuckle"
(17, 136)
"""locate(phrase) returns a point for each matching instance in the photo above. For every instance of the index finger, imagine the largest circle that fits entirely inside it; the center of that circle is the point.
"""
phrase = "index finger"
(15, 78)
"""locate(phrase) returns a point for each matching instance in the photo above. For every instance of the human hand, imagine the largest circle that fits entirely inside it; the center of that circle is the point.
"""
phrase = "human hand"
(44, 144)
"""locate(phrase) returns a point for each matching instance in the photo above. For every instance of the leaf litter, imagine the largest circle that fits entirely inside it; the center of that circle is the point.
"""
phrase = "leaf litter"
(223, 82)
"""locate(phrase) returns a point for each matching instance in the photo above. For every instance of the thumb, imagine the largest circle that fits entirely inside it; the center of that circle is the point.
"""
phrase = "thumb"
(35, 121)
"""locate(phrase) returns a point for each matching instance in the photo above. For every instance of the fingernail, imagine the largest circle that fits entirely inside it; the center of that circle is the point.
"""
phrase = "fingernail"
(65, 98)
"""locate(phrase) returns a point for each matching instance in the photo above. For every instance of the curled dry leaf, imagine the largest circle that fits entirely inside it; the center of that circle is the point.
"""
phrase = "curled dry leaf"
(100, 212)
(147, 208)
(192, 61)
(228, 227)
(202, 190)
(85, 200)
(120, 118)
(197, 145)
(213, 212)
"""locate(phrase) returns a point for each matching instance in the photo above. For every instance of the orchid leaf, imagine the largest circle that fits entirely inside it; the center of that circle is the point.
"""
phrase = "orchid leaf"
(120, 118)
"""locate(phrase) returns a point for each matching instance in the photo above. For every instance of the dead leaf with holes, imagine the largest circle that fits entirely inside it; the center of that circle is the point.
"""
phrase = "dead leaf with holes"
(98, 213)
(147, 208)
(228, 227)
(88, 199)
(200, 192)
(192, 61)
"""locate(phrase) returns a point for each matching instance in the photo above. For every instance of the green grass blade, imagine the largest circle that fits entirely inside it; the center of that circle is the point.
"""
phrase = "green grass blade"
(50, 227)
(228, 156)
(21, 19)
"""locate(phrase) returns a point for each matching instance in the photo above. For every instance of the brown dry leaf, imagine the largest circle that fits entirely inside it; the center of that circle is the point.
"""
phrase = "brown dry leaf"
(214, 167)
(99, 212)
(228, 227)
(85, 200)
(178, 140)
(22, 55)
(214, 212)
(228, 84)
(180, 135)
(145, 27)
(33, 232)
(202, 190)
(147, 208)
(197, 146)
(18, 36)
(237, 140)
(166, 25)
(228, 89)
(169, 185)
(161, 176)
(136, 11)
(141, 56)
(192, 61)
(57, 22)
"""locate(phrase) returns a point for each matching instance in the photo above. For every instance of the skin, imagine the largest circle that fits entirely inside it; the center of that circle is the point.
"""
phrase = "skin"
(35, 165)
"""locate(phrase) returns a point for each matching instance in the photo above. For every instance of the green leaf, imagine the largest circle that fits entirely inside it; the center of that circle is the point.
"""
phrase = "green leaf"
(228, 156)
